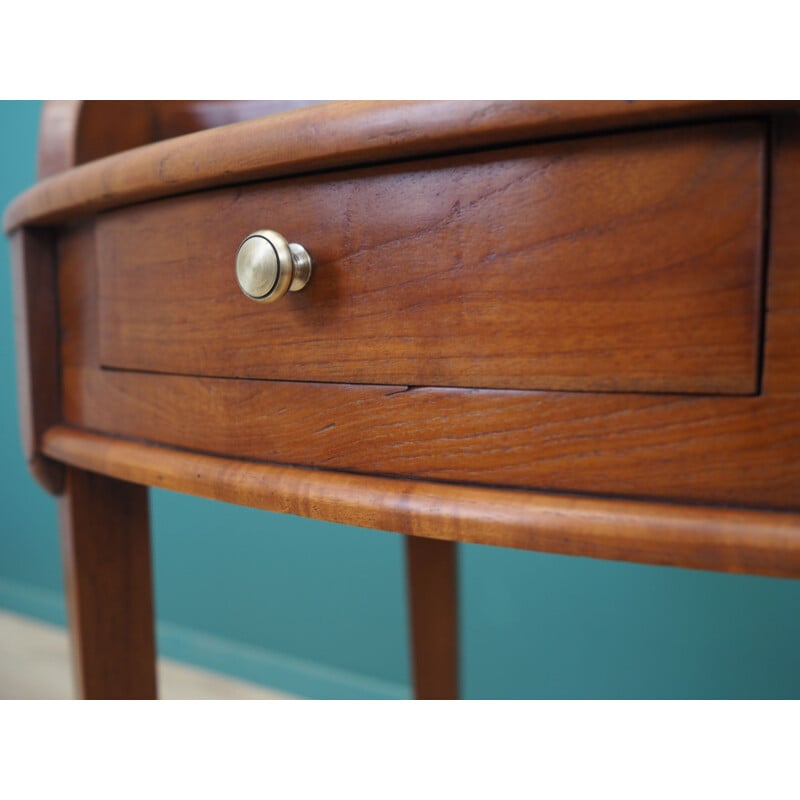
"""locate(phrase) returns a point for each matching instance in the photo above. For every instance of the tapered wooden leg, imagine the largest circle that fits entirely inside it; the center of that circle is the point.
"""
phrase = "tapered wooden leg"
(105, 539)
(433, 608)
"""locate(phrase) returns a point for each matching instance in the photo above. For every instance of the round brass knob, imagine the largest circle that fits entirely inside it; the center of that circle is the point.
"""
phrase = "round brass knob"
(267, 266)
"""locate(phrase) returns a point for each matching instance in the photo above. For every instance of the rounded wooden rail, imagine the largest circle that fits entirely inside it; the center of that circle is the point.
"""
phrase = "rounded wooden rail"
(333, 135)
(722, 539)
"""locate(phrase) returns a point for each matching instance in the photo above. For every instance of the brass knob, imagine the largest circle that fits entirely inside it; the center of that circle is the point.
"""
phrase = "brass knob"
(267, 266)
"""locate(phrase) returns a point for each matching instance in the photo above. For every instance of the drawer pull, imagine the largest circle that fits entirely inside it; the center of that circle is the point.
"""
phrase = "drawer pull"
(268, 266)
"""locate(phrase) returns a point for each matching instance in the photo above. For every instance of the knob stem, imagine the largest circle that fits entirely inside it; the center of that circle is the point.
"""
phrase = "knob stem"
(301, 261)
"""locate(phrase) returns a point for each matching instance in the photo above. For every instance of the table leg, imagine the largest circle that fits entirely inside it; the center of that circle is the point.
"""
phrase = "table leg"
(105, 539)
(433, 607)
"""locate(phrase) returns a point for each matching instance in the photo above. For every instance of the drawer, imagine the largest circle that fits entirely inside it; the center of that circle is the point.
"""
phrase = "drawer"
(618, 263)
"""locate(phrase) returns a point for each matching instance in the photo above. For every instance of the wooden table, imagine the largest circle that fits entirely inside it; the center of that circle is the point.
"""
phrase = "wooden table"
(569, 327)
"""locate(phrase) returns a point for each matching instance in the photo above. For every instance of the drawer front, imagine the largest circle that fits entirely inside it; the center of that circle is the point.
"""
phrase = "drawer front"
(619, 263)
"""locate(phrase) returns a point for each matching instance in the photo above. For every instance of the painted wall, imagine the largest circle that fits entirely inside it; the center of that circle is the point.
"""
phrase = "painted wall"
(318, 609)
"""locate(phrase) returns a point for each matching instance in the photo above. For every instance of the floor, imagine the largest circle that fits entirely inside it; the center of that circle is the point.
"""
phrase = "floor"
(34, 665)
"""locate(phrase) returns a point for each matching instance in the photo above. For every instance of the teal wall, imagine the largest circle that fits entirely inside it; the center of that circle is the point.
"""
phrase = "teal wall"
(318, 609)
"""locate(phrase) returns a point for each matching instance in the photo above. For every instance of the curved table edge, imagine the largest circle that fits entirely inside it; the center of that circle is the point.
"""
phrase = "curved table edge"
(336, 135)
(719, 539)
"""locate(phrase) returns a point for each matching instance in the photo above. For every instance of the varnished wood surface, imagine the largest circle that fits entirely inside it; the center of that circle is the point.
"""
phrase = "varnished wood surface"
(336, 135)
(75, 132)
(77, 296)
(744, 451)
(105, 537)
(180, 117)
(57, 134)
(620, 263)
(782, 331)
(622, 237)
(112, 126)
(432, 571)
(37, 339)
(723, 539)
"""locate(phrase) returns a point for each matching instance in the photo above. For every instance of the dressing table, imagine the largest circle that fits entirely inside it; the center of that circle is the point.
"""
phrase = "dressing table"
(570, 327)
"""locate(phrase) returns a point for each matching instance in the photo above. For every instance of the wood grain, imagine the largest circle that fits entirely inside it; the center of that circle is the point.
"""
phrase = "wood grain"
(432, 569)
(113, 126)
(180, 117)
(74, 132)
(58, 127)
(744, 451)
(105, 539)
(782, 333)
(622, 263)
(724, 539)
(77, 295)
(337, 135)
(635, 264)
(37, 343)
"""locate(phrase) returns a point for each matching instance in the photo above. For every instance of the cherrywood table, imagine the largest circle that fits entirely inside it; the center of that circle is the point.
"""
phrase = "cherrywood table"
(569, 327)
